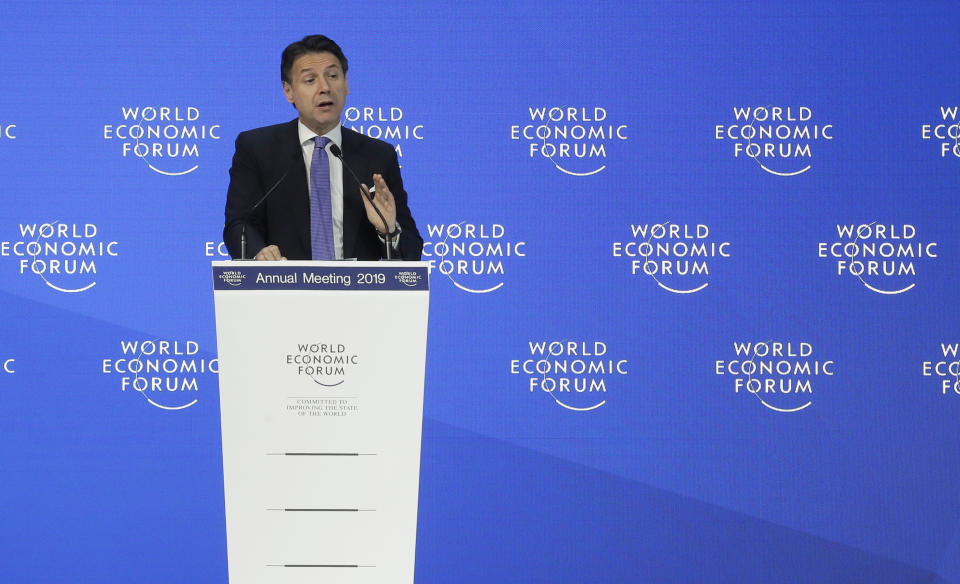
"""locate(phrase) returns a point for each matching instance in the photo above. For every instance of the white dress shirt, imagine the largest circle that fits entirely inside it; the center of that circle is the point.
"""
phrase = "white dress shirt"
(336, 178)
(307, 144)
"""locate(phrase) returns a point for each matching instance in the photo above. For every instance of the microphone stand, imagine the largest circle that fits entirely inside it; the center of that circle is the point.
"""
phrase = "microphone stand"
(243, 240)
(243, 224)
(335, 150)
(386, 234)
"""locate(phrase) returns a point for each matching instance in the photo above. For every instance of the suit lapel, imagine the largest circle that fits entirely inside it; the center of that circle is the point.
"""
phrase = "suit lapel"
(295, 184)
(353, 211)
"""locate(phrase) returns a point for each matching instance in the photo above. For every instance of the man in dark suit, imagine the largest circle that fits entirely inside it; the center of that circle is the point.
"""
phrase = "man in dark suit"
(316, 210)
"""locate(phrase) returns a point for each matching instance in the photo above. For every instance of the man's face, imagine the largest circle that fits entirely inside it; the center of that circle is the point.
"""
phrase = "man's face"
(318, 88)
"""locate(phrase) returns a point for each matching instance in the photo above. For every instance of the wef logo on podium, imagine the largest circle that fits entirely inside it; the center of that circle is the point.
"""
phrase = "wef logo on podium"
(327, 364)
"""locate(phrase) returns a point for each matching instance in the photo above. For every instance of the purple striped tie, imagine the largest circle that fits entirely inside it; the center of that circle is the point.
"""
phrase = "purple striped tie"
(321, 215)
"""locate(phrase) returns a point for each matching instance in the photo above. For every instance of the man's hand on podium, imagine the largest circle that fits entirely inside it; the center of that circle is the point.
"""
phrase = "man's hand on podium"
(270, 253)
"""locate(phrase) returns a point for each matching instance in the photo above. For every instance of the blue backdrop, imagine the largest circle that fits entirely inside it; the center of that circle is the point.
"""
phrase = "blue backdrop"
(692, 316)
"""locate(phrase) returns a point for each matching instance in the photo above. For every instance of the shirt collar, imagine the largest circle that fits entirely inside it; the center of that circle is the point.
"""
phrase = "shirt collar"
(306, 134)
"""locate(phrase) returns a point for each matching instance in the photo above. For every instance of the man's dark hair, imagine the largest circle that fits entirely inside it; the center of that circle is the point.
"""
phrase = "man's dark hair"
(314, 43)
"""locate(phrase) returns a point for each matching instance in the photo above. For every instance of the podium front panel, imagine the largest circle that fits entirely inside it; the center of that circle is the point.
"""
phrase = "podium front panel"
(321, 401)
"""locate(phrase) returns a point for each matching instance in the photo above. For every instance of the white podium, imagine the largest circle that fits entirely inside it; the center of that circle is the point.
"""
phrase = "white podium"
(321, 408)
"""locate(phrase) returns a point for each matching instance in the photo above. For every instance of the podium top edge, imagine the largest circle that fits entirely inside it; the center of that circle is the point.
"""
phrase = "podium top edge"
(320, 276)
(317, 264)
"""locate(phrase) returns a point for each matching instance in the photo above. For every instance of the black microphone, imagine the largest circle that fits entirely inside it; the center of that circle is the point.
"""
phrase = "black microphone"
(273, 187)
(335, 150)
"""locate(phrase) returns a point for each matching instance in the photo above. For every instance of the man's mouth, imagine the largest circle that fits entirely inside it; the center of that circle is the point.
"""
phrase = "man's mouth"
(325, 104)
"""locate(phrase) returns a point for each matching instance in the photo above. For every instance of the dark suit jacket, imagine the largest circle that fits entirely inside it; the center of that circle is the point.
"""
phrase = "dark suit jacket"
(272, 154)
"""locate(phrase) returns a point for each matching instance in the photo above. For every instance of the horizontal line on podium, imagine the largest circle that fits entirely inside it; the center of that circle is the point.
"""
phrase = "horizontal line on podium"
(350, 510)
(320, 566)
(318, 509)
(320, 454)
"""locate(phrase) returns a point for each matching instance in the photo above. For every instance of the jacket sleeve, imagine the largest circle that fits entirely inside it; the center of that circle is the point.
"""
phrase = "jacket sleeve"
(411, 244)
(243, 192)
